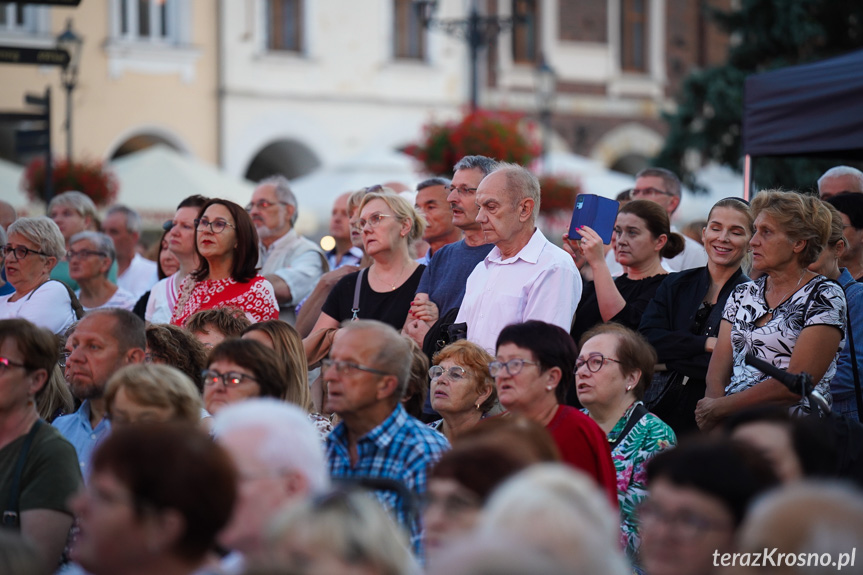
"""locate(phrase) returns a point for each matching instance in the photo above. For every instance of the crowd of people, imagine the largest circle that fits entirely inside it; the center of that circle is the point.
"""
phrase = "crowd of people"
(445, 391)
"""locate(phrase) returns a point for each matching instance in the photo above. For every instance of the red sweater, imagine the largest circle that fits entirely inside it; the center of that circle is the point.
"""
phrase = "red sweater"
(584, 445)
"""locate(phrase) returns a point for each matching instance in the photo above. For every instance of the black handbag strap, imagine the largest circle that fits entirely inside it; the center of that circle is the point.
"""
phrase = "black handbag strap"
(634, 417)
(10, 514)
(355, 308)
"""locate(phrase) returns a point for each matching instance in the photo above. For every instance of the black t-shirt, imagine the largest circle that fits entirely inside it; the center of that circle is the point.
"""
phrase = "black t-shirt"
(636, 293)
(390, 307)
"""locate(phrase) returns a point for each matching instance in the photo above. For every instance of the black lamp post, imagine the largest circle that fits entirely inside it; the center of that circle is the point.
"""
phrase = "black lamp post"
(477, 30)
(68, 40)
(546, 85)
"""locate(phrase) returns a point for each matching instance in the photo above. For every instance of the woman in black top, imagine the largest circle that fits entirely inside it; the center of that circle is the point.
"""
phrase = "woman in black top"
(683, 319)
(642, 237)
(389, 225)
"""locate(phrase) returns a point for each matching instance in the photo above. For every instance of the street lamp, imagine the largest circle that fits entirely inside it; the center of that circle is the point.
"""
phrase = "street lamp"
(477, 30)
(546, 85)
(68, 40)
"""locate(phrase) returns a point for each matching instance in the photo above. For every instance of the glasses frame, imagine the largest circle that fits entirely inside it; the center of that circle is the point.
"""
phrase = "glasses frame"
(8, 249)
(453, 376)
(201, 224)
(649, 191)
(344, 367)
(593, 356)
(266, 204)
(517, 364)
(461, 191)
(211, 376)
(689, 526)
(71, 254)
(374, 220)
(6, 363)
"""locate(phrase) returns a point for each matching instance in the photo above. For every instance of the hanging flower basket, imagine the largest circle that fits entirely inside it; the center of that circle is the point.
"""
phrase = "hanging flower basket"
(90, 177)
(481, 132)
(557, 194)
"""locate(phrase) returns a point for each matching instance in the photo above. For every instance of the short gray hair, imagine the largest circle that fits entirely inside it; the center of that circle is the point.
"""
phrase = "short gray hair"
(133, 219)
(290, 439)
(669, 178)
(394, 355)
(482, 163)
(433, 182)
(282, 187)
(41, 231)
(521, 184)
(837, 171)
(78, 201)
(102, 242)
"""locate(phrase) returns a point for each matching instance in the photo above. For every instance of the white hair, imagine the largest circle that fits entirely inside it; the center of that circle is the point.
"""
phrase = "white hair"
(562, 511)
(291, 440)
(838, 171)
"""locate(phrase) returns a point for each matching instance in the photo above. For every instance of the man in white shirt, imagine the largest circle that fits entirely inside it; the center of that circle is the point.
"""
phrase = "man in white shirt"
(135, 273)
(292, 263)
(181, 243)
(524, 276)
(662, 186)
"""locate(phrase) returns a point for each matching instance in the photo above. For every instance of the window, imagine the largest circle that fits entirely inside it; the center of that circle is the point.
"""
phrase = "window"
(153, 21)
(17, 18)
(284, 25)
(409, 34)
(525, 32)
(633, 34)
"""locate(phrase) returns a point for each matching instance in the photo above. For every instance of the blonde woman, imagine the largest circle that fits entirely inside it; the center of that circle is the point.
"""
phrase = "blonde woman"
(150, 393)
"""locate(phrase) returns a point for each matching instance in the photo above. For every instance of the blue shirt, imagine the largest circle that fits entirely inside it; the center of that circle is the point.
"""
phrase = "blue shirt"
(400, 448)
(843, 382)
(75, 427)
(446, 275)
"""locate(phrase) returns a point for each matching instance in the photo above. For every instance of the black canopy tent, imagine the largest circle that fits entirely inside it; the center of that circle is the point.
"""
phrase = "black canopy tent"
(811, 109)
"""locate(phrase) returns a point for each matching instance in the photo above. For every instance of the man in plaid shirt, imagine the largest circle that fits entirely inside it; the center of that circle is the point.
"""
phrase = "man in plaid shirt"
(366, 376)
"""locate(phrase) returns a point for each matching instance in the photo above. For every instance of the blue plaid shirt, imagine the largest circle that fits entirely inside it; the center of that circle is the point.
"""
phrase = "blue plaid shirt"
(400, 448)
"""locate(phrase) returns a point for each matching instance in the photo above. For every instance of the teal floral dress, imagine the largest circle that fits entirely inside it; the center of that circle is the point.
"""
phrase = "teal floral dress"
(649, 436)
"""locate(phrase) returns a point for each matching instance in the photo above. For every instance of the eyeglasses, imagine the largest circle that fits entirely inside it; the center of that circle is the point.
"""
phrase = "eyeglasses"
(152, 357)
(71, 254)
(463, 191)
(263, 205)
(64, 358)
(453, 505)
(594, 362)
(513, 366)
(230, 379)
(641, 192)
(455, 373)
(216, 226)
(6, 363)
(345, 367)
(687, 524)
(373, 221)
(20, 252)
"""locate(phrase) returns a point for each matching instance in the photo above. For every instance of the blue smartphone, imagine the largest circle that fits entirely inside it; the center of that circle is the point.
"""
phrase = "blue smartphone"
(595, 212)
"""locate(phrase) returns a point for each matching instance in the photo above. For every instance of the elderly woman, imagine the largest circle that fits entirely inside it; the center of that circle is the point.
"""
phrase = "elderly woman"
(144, 393)
(389, 225)
(227, 245)
(32, 452)
(611, 373)
(643, 236)
(73, 212)
(90, 256)
(698, 495)
(462, 389)
(682, 320)
(34, 247)
(790, 316)
(533, 370)
(171, 345)
(136, 517)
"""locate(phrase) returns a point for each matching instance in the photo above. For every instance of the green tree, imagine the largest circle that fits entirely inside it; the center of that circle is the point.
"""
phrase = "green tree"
(765, 34)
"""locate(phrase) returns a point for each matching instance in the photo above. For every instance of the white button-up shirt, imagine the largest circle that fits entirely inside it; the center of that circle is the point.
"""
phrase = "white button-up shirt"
(540, 282)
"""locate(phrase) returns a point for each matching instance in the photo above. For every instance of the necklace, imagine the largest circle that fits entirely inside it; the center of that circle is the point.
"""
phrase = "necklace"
(770, 310)
(392, 284)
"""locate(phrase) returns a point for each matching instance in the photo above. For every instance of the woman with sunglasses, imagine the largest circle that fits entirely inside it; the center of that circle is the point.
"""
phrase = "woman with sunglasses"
(533, 370)
(33, 248)
(682, 321)
(226, 243)
(611, 373)
(389, 226)
(462, 389)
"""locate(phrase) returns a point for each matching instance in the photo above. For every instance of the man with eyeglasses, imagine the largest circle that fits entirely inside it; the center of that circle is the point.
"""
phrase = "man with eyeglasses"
(181, 243)
(524, 276)
(103, 341)
(442, 286)
(292, 263)
(663, 187)
(366, 376)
